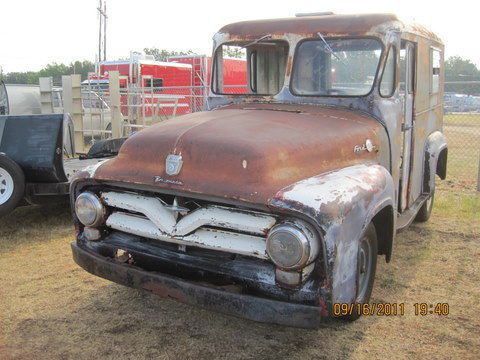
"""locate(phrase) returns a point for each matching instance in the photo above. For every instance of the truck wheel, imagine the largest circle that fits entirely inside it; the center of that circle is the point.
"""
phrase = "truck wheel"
(426, 210)
(366, 267)
(12, 185)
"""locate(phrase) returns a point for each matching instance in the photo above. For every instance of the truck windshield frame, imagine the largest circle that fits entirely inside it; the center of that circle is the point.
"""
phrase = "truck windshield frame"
(375, 47)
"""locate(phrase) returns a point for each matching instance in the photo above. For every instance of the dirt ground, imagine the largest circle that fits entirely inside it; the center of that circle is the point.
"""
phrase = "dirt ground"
(52, 309)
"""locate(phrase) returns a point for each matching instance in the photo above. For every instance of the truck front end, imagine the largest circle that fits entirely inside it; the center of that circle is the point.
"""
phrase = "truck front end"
(257, 207)
(229, 258)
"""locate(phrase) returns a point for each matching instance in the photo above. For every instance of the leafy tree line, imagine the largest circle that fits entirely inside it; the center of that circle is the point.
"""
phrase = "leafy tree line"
(163, 55)
(54, 70)
(463, 70)
(456, 69)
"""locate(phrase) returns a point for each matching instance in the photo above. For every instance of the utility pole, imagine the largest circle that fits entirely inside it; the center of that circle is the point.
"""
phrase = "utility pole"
(102, 15)
(105, 30)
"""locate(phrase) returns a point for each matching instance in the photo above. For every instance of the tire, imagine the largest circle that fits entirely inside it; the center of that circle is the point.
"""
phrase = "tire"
(366, 268)
(12, 185)
(426, 210)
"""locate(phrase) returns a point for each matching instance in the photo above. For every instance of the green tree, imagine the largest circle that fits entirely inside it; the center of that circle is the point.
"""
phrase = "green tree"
(163, 55)
(234, 52)
(82, 67)
(461, 70)
(53, 70)
(29, 77)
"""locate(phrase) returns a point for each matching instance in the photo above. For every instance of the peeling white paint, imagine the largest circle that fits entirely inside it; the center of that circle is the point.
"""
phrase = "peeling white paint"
(224, 218)
(204, 238)
(165, 218)
(151, 207)
(91, 169)
(339, 187)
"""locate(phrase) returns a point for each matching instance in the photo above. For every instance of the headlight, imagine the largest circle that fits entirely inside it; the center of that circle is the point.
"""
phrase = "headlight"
(89, 209)
(292, 245)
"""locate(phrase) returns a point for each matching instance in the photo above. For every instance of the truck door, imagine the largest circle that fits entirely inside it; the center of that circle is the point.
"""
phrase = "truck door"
(407, 76)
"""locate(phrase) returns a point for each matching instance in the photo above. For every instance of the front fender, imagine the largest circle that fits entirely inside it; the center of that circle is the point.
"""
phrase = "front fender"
(341, 204)
(435, 163)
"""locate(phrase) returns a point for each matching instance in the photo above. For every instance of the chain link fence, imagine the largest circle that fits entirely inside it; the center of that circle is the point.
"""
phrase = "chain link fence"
(145, 106)
(462, 129)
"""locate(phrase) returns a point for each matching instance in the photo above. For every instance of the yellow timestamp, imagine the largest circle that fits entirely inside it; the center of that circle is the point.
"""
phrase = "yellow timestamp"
(380, 309)
(423, 309)
(389, 309)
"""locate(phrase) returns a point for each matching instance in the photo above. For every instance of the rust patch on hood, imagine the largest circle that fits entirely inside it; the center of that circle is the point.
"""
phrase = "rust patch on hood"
(244, 152)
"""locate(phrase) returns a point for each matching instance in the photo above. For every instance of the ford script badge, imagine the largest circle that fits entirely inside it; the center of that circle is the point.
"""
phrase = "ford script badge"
(173, 164)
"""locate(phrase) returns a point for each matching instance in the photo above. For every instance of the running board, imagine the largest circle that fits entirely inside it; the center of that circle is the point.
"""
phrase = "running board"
(406, 218)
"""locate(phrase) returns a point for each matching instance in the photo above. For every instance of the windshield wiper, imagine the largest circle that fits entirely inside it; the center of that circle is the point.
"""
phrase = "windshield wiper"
(265, 37)
(329, 49)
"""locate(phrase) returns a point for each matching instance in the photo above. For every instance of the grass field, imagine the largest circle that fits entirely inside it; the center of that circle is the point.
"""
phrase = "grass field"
(52, 309)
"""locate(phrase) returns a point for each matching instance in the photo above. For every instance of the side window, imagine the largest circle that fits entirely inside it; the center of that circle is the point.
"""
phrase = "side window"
(387, 84)
(435, 70)
(157, 83)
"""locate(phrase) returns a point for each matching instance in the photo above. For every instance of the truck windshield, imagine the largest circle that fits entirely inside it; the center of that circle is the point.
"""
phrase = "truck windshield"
(340, 67)
(256, 67)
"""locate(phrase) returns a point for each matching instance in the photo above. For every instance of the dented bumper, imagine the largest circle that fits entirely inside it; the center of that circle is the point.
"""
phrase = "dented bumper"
(213, 298)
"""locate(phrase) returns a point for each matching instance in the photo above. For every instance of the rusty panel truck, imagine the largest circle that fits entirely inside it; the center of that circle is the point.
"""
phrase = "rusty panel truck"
(275, 204)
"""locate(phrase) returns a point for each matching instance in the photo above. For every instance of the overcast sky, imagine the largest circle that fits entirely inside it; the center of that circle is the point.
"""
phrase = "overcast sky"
(34, 33)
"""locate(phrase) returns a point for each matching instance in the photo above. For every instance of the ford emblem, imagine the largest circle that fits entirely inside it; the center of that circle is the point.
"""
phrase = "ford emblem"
(173, 164)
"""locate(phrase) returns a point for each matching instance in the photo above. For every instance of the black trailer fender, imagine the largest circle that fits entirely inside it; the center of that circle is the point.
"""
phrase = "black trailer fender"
(35, 143)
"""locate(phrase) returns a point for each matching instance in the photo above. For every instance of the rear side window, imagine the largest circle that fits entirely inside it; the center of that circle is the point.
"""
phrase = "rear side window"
(435, 70)
(387, 85)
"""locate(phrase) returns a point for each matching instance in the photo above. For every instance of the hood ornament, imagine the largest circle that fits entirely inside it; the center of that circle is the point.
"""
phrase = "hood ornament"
(173, 164)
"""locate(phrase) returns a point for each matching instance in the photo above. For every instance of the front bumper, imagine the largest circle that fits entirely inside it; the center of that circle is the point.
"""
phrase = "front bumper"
(211, 298)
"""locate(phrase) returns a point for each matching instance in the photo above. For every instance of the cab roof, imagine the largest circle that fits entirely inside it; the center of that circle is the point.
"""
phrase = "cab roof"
(326, 24)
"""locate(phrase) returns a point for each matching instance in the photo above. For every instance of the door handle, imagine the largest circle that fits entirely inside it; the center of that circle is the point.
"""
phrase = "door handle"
(406, 127)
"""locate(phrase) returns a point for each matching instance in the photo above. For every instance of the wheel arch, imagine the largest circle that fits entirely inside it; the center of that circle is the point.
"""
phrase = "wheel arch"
(435, 163)
(384, 222)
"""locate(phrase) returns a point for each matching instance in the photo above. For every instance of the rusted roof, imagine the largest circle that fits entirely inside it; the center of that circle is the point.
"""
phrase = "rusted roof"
(327, 24)
(358, 24)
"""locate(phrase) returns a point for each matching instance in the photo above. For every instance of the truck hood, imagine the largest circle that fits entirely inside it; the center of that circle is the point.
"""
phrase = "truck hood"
(245, 153)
